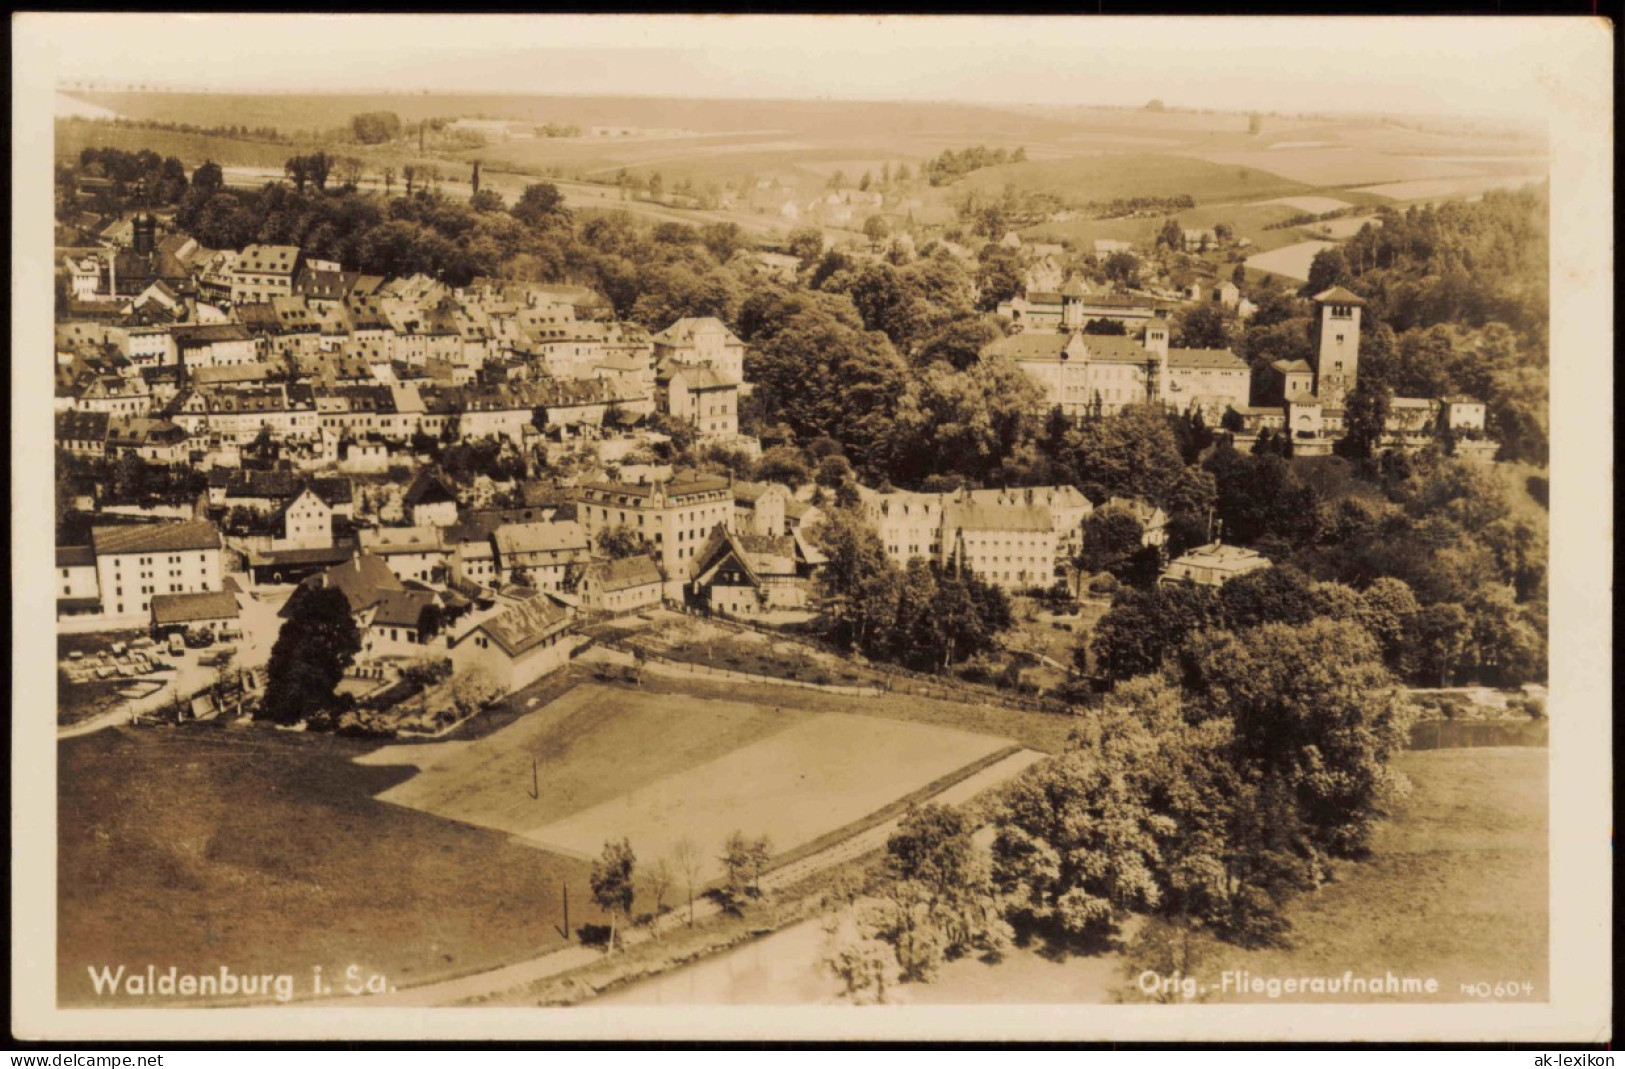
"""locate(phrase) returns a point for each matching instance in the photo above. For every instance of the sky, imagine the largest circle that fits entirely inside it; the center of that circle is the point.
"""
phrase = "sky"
(1508, 68)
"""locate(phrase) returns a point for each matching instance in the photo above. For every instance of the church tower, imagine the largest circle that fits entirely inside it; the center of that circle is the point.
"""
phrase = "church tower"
(1336, 344)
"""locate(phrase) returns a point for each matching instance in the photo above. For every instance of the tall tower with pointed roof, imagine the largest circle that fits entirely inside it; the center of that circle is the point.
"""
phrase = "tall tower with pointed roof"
(1336, 344)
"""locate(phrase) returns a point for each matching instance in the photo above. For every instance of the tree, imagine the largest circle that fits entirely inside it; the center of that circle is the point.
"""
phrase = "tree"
(806, 243)
(1204, 326)
(958, 342)
(486, 200)
(1144, 627)
(1329, 268)
(1440, 637)
(1278, 595)
(686, 857)
(317, 642)
(540, 206)
(375, 127)
(1172, 235)
(1123, 267)
(783, 464)
(743, 861)
(620, 542)
(876, 229)
(1110, 537)
(209, 178)
(611, 882)
(1313, 705)
(659, 878)
(298, 169)
(1131, 453)
(1366, 416)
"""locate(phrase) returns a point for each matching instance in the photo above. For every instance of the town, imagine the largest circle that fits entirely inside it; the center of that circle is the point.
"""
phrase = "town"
(743, 560)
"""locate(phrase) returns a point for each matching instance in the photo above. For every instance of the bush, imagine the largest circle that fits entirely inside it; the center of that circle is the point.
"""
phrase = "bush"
(593, 935)
(1529, 705)
(1104, 583)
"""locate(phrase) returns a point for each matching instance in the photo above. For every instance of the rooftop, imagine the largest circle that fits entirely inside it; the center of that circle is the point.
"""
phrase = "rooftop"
(155, 538)
(169, 609)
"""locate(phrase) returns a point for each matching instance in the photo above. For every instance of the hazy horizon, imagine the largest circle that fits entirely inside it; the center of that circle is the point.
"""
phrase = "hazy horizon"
(1497, 69)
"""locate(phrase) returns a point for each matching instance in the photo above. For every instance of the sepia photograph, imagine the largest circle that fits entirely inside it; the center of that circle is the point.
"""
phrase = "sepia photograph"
(797, 526)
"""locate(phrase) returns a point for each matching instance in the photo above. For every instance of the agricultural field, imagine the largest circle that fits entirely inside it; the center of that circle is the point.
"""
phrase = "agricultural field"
(74, 137)
(1290, 261)
(1135, 175)
(265, 851)
(1449, 188)
(1317, 205)
(1079, 153)
(611, 762)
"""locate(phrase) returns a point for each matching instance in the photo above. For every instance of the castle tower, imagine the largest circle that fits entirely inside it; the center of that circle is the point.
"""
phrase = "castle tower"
(1336, 344)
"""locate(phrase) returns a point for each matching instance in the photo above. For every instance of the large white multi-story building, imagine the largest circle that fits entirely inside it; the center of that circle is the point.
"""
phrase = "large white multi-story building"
(674, 517)
(1014, 537)
(1100, 374)
(135, 562)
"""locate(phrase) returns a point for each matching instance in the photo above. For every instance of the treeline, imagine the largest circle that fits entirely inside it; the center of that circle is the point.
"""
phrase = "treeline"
(238, 132)
(950, 165)
(1305, 218)
(1122, 207)
(1463, 263)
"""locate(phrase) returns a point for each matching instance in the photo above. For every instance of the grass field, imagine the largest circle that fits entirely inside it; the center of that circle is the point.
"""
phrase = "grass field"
(1449, 188)
(613, 762)
(1456, 887)
(265, 852)
(1109, 177)
(74, 137)
(1290, 261)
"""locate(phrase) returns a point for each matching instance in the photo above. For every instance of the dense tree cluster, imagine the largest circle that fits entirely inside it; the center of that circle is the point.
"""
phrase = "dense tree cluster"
(375, 127)
(1213, 798)
(140, 179)
(1439, 571)
(921, 616)
(950, 165)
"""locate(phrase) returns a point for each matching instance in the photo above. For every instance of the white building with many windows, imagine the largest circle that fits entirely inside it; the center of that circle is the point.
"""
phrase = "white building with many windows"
(136, 562)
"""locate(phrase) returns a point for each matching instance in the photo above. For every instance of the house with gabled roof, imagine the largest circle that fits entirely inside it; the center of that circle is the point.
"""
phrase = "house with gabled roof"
(265, 271)
(701, 340)
(430, 501)
(547, 556)
(364, 580)
(516, 643)
(215, 610)
(620, 586)
(747, 574)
